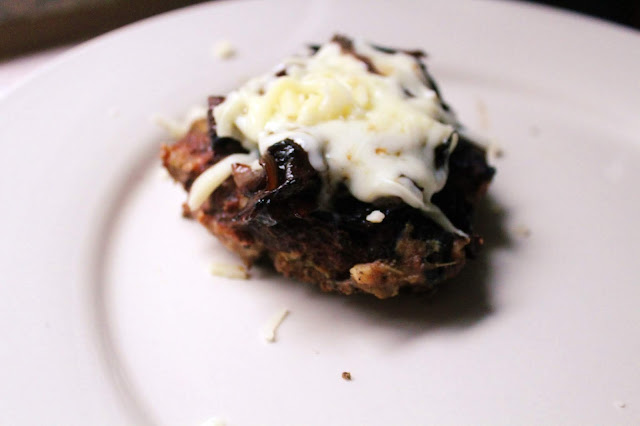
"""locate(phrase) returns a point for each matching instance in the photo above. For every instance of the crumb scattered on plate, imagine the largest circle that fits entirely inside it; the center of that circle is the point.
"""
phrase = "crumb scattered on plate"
(228, 270)
(223, 49)
(483, 115)
(178, 128)
(163, 174)
(494, 150)
(375, 216)
(522, 231)
(214, 421)
(346, 375)
(272, 325)
(620, 404)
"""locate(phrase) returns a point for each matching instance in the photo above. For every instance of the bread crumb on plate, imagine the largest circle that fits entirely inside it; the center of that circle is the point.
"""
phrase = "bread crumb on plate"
(346, 375)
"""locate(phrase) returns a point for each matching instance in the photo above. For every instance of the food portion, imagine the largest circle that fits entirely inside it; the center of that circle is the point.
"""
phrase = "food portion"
(343, 167)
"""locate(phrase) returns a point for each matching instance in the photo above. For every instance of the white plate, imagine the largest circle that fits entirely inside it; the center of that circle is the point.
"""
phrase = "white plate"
(108, 315)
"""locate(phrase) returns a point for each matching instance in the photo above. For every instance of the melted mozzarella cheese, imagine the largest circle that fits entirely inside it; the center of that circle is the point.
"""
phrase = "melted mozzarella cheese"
(213, 177)
(374, 131)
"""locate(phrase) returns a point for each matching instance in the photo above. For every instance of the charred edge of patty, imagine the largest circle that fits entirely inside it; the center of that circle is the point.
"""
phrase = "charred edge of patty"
(274, 213)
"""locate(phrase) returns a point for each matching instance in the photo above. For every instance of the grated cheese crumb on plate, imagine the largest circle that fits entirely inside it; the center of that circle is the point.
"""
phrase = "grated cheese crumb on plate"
(483, 115)
(163, 174)
(494, 150)
(522, 231)
(227, 270)
(620, 404)
(272, 325)
(177, 128)
(214, 421)
(375, 216)
(223, 49)
(214, 176)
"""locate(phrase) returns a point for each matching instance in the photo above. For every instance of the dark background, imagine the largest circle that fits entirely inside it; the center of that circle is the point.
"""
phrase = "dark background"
(625, 12)
(28, 25)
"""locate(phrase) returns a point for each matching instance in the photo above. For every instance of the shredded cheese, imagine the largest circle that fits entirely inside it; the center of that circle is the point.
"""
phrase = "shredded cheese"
(223, 49)
(213, 422)
(272, 325)
(377, 132)
(226, 270)
(177, 128)
(212, 178)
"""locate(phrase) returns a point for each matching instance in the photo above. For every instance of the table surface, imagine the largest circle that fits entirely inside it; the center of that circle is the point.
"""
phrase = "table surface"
(15, 69)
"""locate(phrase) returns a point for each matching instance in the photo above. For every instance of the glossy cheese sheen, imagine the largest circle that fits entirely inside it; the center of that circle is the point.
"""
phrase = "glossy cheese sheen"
(213, 177)
(375, 131)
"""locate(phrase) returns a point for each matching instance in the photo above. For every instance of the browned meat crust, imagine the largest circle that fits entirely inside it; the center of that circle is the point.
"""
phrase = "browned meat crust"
(275, 214)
